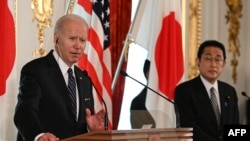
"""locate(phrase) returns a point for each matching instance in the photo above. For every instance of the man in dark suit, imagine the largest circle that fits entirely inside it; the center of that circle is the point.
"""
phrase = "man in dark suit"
(195, 103)
(139, 115)
(44, 109)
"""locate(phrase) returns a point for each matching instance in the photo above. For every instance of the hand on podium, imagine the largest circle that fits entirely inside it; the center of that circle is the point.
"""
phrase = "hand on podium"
(96, 121)
(47, 137)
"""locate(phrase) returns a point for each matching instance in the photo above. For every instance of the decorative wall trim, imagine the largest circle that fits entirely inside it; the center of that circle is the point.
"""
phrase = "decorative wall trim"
(233, 15)
(43, 10)
(194, 36)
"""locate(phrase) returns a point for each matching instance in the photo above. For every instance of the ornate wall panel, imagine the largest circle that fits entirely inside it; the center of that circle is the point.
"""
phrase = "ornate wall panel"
(194, 36)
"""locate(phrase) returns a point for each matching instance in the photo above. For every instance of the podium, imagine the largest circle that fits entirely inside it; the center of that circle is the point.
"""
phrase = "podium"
(156, 134)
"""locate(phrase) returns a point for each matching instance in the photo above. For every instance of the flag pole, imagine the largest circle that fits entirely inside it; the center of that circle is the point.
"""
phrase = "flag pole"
(69, 6)
(126, 44)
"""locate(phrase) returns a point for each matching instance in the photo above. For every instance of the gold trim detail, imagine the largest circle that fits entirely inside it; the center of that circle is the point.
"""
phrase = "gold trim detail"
(43, 10)
(233, 15)
(194, 36)
(127, 45)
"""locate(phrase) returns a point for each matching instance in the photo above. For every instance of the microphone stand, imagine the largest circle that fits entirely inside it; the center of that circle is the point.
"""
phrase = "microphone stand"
(248, 106)
(105, 106)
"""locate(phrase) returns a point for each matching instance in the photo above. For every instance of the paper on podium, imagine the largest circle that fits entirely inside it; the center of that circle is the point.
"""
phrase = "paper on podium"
(147, 126)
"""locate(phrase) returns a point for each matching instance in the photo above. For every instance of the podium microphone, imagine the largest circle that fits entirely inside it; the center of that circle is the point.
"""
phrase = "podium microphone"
(175, 107)
(248, 106)
(245, 94)
(105, 106)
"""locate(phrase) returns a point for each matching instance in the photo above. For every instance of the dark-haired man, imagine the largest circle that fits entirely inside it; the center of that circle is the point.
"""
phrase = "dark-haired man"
(206, 103)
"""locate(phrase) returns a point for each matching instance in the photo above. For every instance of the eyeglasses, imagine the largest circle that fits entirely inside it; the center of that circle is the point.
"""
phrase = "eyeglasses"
(217, 60)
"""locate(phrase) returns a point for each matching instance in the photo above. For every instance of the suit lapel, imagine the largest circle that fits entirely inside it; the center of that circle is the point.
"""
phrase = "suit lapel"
(58, 80)
(55, 73)
(204, 98)
(223, 102)
(85, 91)
(203, 95)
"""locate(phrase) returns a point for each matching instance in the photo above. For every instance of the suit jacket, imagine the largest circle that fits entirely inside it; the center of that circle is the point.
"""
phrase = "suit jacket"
(139, 115)
(43, 103)
(196, 110)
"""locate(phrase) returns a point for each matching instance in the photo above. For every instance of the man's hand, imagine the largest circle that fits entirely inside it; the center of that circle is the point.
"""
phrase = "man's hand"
(95, 122)
(48, 137)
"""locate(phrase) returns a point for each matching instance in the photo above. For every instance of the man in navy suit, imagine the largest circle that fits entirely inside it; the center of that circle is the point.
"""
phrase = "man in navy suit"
(194, 101)
(43, 111)
(139, 114)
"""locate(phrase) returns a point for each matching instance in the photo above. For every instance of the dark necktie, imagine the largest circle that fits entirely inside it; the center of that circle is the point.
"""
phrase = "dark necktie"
(72, 91)
(215, 105)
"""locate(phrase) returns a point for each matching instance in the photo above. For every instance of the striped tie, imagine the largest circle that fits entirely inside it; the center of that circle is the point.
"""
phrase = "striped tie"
(72, 91)
(215, 105)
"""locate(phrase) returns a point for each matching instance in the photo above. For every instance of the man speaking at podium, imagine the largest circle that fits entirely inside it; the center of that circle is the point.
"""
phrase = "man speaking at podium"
(55, 99)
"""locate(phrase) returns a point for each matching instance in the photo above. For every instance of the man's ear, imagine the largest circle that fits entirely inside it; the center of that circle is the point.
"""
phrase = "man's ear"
(56, 37)
(224, 63)
(197, 60)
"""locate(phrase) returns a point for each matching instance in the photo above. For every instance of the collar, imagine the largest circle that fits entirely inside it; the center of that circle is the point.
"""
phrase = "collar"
(62, 65)
(208, 85)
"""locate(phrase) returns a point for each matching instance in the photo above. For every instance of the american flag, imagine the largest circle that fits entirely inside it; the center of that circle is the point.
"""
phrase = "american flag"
(97, 58)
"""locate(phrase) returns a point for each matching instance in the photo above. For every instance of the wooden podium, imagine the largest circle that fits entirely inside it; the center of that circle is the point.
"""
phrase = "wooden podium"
(161, 134)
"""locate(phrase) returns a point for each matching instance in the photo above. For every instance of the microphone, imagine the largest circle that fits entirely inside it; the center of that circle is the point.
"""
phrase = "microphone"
(175, 107)
(105, 106)
(248, 106)
(245, 94)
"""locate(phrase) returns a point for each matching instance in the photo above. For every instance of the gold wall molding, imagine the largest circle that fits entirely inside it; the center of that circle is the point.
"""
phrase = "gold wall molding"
(233, 18)
(194, 36)
(43, 10)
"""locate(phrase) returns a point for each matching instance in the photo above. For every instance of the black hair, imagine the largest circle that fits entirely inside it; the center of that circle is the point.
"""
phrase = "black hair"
(213, 43)
(146, 67)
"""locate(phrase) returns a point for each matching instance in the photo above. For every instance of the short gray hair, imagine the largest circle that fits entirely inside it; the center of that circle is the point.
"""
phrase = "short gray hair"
(69, 17)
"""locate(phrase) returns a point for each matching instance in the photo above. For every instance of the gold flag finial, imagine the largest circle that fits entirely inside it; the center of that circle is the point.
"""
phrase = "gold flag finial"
(127, 47)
